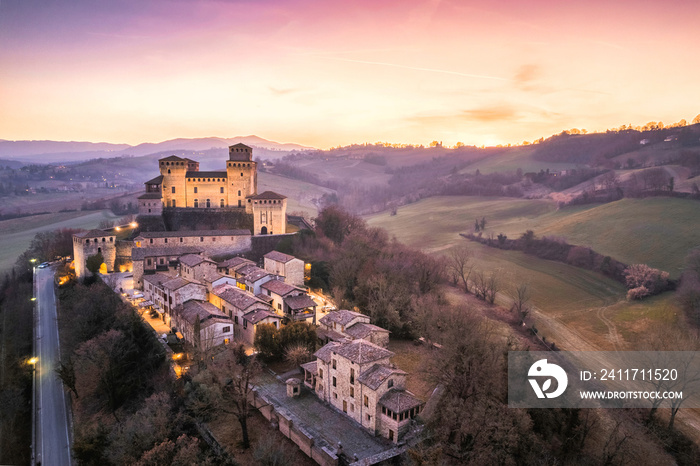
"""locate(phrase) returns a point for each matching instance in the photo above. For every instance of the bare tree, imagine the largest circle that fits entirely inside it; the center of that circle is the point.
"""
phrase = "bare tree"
(461, 265)
(521, 300)
(235, 375)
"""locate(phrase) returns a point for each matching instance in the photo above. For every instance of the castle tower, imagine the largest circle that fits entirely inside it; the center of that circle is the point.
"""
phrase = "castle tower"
(173, 169)
(88, 244)
(242, 175)
(269, 213)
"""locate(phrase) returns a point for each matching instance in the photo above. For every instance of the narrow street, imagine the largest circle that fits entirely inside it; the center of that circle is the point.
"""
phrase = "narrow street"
(52, 444)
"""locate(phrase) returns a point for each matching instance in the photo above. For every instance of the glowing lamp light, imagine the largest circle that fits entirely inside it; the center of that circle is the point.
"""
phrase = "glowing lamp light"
(33, 299)
(33, 360)
(134, 224)
(117, 228)
(32, 260)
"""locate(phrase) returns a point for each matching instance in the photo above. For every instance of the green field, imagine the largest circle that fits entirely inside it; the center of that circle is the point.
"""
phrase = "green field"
(18, 233)
(514, 158)
(300, 195)
(656, 231)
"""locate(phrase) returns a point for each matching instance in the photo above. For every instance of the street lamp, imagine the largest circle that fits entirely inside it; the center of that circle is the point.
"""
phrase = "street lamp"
(134, 224)
(33, 360)
(33, 299)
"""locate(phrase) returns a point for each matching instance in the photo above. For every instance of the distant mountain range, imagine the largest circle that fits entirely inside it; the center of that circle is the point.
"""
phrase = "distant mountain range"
(75, 151)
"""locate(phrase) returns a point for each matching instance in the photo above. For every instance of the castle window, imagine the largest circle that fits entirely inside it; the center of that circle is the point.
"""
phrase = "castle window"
(196, 203)
(391, 383)
(195, 190)
(103, 240)
(151, 241)
(201, 239)
(221, 190)
(208, 203)
(168, 171)
(241, 174)
(173, 202)
(181, 240)
(222, 201)
(166, 240)
(111, 240)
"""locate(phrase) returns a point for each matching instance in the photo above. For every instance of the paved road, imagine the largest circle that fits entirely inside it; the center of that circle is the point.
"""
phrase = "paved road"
(52, 441)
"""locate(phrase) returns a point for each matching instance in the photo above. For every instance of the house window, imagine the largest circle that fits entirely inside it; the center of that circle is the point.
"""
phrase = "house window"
(173, 188)
(195, 190)
(320, 373)
(367, 403)
(352, 392)
(226, 329)
(335, 395)
(391, 435)
(334, 364)
(352, 408)
(235, 320)
(369, 418)
(245, 324)
(334, 381)
(390, 383)
(279, 306)
(352, 376)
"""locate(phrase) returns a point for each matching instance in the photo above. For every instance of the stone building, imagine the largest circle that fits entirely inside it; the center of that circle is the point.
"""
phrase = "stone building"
(182, 185)
(198, 268)
(167, 292)
(90, 243)
(215, 328)
(349, 325)
(291, 268)
(357, 378)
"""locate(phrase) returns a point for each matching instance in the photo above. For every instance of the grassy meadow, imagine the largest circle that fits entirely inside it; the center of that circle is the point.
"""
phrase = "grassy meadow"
(300, 195)
(18, 233)
(656, 231)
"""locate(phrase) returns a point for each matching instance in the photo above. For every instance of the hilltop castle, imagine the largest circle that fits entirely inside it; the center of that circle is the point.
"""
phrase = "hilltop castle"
(182, 185)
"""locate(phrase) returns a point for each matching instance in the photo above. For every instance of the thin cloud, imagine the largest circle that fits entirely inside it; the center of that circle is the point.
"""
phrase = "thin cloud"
(416, 68)
(480, 115)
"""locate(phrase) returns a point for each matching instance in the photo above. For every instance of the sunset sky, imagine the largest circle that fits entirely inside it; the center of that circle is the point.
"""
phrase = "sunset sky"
(325, 73)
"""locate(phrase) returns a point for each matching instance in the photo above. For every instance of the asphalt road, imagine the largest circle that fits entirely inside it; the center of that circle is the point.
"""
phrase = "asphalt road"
(52, 438)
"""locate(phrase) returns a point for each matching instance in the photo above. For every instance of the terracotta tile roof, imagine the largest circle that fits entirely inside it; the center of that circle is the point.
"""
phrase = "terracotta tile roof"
(151, 196)
(192, 260)
(362, 330)
(172, 158)
(342, 317)
(192, 233)
(377, 374)
(93, 234)
(362, 352)
(268, 195)
(214, 174)
(299, 302)
(157, 279)
(279, 287)
(253, 275)
(311, 367)
(156, 180)
(264, 297)
(331, 334)
(259, 314)
(142, 253)
(189, 311)
(326, 352)
(399, 401)
(278, 256)
(177, 283)
(237, 297)
(236, 262)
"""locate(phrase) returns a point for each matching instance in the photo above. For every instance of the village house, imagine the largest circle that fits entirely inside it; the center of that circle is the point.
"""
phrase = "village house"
(251, 278)
(229, 267)
(215, 327)
(167, 292)
(197, 267)
(278, 291)
(349, 325)
(246, 310)
(357, 378)
(291, 268)
(157, 259)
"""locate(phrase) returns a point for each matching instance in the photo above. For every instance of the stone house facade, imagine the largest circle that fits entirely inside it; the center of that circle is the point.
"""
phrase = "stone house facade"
(216, 328)
(349, 325)
(357, 378)
(291, 268)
